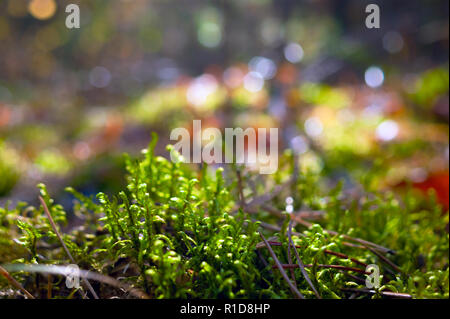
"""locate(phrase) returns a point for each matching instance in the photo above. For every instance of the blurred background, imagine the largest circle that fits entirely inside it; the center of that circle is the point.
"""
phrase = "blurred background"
(352, 102)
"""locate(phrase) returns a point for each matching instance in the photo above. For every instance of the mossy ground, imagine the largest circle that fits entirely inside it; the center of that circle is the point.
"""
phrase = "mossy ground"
(181, 232)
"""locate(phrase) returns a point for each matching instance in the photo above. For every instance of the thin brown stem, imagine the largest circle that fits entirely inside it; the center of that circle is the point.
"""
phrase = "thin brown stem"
(359, 270)
(280, 268)
(55, 229)
(386, 260)
(14, 282)
(49, 286)
(356, 278)
(300, 263)
(289, 252)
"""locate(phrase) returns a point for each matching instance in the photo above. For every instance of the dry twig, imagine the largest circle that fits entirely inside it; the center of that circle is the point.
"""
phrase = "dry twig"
(300, 263)
(14, 282)
(280, 267)
(55, 229)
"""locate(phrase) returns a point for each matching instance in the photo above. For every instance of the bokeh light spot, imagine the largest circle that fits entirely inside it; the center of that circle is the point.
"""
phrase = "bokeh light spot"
(210, 34)
(374, 77)
(42, 9)
(387, 130)
(313, 126)
(99, 77)
(201, 88)
(293, 52)
(299, 144)
(264, 66)
(253, 82)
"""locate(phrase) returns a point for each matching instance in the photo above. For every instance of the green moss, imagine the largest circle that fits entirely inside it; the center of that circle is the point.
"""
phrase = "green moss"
(9, 168)
(181, 234)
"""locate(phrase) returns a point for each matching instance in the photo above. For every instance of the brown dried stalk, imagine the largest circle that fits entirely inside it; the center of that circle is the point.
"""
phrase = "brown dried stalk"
(280, 267)
(14, 282)
(387, 261)
(289, 252)
(300, 262)
(55, 229)
(359, 270)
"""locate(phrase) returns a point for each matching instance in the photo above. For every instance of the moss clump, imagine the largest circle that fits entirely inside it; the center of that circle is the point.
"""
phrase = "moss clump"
(176, 232)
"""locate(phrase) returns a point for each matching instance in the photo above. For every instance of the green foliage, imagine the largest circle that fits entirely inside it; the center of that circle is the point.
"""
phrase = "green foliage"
(9, 172)
(430, 86)
(179, 234)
